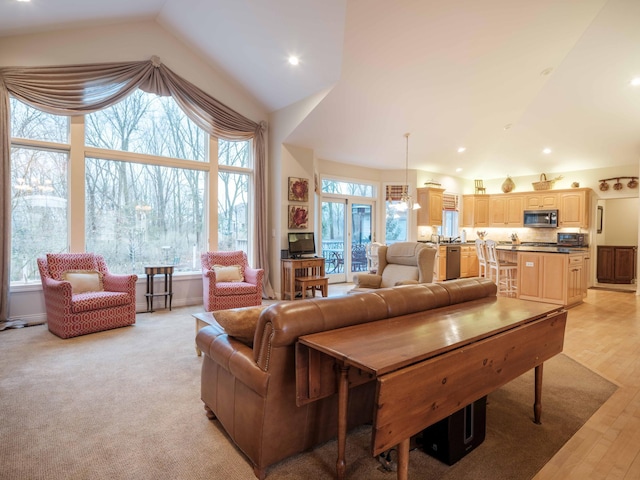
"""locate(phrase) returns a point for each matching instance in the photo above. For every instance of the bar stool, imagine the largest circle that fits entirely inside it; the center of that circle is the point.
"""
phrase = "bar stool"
(481, 252)
(505, 273)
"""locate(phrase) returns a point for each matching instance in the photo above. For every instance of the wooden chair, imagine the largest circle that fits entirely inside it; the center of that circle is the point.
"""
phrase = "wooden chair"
(506, 274)
(480, 187)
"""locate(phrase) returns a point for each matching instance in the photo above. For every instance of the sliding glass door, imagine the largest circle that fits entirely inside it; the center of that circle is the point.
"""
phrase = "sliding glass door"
(346, 231)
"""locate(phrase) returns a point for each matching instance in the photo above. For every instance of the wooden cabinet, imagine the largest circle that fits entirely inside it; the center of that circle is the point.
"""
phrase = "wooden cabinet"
(468, 261)
(551, 277)
(575, 279)
(506, 210)
(616, 264)
(573, 208)
(541, 201)
(475, 210)
(430, 212)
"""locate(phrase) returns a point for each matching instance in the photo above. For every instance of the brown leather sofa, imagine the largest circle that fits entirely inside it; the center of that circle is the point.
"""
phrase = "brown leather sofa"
(252, 390)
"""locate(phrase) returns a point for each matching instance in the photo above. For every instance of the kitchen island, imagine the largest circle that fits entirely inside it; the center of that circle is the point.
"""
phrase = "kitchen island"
(550, 273)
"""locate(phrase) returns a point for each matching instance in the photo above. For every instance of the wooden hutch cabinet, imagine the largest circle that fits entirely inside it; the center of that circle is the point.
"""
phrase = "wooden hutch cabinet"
(616, 264)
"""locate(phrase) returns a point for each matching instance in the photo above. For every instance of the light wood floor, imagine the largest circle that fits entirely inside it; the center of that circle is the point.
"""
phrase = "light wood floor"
(603, 334)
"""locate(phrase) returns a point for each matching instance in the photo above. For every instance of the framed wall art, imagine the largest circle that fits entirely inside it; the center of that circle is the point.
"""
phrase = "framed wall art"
(298, 216)
(298, 189)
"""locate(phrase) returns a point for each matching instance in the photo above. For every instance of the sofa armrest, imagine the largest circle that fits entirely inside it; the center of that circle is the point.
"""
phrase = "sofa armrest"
(367, 280)
(234, 356)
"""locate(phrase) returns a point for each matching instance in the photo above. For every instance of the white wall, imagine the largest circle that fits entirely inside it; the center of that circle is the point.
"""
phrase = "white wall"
(620, 221)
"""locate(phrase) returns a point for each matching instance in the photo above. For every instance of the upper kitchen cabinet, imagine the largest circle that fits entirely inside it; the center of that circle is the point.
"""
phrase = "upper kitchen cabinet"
(573, 208)
(430, 200)
(541, 201)
(506, 210)
(475, 210)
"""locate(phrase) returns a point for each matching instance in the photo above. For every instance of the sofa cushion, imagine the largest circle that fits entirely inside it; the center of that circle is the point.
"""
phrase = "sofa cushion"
(84, 280)
(228, 273)
(395, 274)
(240, 323)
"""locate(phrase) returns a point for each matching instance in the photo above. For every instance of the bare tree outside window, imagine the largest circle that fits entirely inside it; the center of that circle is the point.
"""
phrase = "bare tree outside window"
(235, 165)
(140, 214)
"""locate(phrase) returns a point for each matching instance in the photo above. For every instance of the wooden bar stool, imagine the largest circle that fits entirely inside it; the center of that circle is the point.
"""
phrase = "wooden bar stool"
(313, 283)
(506, 273)
(481, 252)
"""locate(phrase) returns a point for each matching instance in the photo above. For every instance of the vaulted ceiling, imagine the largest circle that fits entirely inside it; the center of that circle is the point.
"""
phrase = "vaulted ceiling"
(502, 78)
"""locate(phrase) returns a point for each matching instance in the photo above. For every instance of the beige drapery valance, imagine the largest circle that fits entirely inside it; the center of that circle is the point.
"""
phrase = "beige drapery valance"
(82, 89)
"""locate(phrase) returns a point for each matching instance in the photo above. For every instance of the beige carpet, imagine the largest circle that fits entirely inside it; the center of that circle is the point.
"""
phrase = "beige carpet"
(125, 404)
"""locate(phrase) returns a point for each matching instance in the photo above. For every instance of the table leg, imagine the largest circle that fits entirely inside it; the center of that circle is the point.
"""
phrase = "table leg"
(343, 407)
(403, 459)
(537, 406)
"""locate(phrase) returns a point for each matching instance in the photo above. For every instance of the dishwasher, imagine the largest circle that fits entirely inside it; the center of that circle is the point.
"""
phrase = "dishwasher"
(453, 262)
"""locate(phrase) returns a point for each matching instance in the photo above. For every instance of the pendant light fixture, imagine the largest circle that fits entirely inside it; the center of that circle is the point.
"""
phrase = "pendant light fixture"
(405, 199)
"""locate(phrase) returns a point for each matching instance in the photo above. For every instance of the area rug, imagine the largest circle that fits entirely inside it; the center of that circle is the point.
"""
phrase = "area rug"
(125, 404)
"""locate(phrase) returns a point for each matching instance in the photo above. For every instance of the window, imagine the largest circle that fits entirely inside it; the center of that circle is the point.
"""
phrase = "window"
(39, 188)
(146, 185)
(450, 222)
(139, 214)
(396, 218)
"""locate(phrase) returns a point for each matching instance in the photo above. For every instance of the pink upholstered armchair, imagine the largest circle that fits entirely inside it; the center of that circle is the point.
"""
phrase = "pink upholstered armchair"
(81, 296)
(232, 283)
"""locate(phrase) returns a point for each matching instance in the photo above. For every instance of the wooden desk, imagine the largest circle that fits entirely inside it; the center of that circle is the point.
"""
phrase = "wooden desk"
(167, 271)
(435, 363)
(293, 268)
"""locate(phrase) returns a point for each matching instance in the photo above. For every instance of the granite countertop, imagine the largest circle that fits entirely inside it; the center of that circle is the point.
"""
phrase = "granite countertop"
(542, 249)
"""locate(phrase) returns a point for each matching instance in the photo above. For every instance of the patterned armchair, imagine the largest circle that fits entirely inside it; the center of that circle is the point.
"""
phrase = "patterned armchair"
(229, 282)
(81, 296)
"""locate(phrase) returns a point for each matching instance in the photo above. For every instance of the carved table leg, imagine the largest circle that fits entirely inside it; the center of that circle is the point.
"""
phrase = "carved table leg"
(343, 407)
(537, 406)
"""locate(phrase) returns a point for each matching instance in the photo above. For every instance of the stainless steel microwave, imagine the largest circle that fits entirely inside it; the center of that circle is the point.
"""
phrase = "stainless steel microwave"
(541, 218)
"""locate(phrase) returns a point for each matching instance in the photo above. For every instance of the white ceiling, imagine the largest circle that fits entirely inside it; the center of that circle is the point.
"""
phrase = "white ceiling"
(452, 73)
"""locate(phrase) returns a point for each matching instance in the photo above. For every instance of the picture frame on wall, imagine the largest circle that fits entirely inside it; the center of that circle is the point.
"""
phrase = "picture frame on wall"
(298, 217)
(298, 189)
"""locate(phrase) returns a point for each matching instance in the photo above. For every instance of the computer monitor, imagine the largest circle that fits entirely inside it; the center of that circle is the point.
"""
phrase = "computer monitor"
(301, 244)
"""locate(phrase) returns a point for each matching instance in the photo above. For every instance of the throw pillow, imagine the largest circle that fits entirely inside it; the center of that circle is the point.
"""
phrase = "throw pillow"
(230, 273)
(240, 323)
(84, 280)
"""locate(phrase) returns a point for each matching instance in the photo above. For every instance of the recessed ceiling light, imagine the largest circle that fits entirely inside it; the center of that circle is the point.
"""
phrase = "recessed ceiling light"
(546, 71)
(546, 151)
(458, 169)
(461, 149)
(635, 82)
(293, 60)
(508, 126)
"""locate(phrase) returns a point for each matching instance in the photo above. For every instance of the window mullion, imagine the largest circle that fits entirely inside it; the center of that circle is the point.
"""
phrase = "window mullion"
(76, 186)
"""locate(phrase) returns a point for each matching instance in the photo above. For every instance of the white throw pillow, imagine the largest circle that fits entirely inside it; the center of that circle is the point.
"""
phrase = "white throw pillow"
(84, 280)
(231, 273)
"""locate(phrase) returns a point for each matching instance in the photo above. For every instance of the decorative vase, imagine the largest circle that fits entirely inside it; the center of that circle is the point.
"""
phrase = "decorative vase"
(508, 185)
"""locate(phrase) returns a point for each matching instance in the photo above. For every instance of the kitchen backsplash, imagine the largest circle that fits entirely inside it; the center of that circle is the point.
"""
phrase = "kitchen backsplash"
(546, 235)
